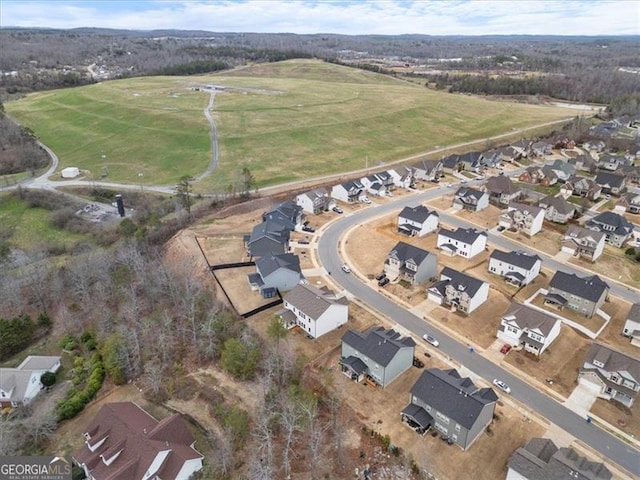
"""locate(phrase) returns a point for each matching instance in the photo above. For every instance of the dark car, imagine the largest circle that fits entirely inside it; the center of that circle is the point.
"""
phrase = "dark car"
(380, 276)
(383, 281)
(308, 228)
(337, 210)
(418, 363)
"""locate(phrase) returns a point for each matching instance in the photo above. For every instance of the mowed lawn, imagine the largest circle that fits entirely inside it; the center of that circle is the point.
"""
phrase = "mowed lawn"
(285, 121)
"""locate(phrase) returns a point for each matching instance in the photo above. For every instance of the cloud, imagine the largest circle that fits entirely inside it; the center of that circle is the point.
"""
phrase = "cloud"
(391, 17)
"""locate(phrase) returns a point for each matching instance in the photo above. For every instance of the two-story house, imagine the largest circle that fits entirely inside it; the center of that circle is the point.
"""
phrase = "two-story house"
(124, 441)
(418, 221)
(523, 147)
(557, 209)
(402, 177)
(537, 176)
(287, 213)
(584, 243)
(518, 268)
(316, 311)
(466, 242)
(410, 263)
(615, 374)
(616, 228)
(540, 459)
(562, 169)
(373, 185)
(458, 290)
(501, 190)
(20, 385)
(529, 327)
(471, 161)
(451, 164)
(631, 327)
(316, 201)
(452, 405)
(268, 238)
(378, 354)
(427, 170)
(348, 192)
(629, 202)
(585, 163)
(611, 183)
(470, 199)
(275, 272)
(520, 217)
(581, 187)
(582, 294)
(541, 149)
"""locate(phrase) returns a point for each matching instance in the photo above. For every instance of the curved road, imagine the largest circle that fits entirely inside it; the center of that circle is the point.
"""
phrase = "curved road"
(608, 445)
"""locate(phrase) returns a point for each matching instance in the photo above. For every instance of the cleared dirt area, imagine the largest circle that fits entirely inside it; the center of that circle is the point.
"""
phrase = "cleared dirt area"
(554, 363)
(235, 284)
(444, 202)
(545, 241)
(486, 218)
(379, 409)
(593, 324)
(612, 334)
(616, 414)
(613, 263)
(223, 249)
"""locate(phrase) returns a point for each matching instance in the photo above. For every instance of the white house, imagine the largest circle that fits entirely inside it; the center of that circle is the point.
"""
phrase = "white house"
(523, 218)
(582, 242)
(529, 327)
(314, 310)
(518, 268)
(19, 386)
(631, 327)
(460, 291)
(316, 201)
(374, 185)
(403, 177)
(417, 221)
(70, 172)
(466, 242)
(348, 192)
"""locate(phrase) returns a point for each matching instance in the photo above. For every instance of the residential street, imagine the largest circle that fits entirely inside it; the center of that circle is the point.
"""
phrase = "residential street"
(601, 441)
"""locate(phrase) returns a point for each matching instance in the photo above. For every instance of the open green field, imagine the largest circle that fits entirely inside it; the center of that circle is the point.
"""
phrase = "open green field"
(285, 121)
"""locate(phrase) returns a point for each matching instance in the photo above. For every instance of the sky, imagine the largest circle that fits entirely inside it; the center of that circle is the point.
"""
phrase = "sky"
(384, 17)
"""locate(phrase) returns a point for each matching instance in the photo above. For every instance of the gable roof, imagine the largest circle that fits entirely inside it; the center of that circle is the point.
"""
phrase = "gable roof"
(613, 360)
(622, 225)
(451, 161)
(378, 344)
(427, 165)
(590, 288)
(560, 204)
(464, 235)
(271, 229)
(140, 439)
(518, 258)
(465, 193)
(460, 281)
(577, 233)
(525, 209)
(417, 214)
(270, 263)
(610, 179)
(39, 362)
(316, 193)
(540, 459)
(530, 318)
(312, 301)
(405, 252)
(634, 313)
(501, 184)
(457, 398)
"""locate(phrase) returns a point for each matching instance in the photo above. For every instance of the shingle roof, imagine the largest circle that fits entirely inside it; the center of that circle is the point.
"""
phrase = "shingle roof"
(611, 179)
(464, 235)
(457, 398)
(613, 360)
(378, 344)
(518, 258)
(312, 301)
(540, 459)
(590, 288)
(417, 214)
(560, 204)
(621, 224)
(270, 263)
(461, 280)
(501, 184)
(576, 233)
(634, 312)
(530, 318)
(525, 209)
(466, 192)
(38, 362)
(405, 252)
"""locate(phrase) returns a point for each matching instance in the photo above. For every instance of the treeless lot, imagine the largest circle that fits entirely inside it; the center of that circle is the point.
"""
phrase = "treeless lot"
(616, 414)
(235, 283)
(593, 324)
(612, 334)
(487, 218)
(545, 240)
(615, 264)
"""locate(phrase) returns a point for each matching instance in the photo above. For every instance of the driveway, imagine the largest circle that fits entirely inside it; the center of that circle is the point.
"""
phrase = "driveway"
(582, 398)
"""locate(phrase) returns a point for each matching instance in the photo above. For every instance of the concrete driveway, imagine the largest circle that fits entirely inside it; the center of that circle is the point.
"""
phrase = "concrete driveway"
(582, 398)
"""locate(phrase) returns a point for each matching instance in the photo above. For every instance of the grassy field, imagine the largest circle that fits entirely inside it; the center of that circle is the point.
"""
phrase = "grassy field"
(285, 121)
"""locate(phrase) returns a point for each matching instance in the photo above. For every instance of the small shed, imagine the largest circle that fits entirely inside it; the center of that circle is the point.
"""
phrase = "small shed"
(70, 172)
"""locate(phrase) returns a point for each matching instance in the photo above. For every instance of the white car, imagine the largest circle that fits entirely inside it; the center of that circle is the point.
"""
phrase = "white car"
(365, 200)
(431, 340)
(346, 269)
(501, 385)
(448, 185)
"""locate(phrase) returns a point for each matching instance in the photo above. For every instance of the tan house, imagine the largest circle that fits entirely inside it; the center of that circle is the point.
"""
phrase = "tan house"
(557, 209)
(584, 243)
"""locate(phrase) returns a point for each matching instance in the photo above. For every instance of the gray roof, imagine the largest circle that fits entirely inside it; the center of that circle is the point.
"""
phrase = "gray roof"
(378, 344)
(613, 360)
(518, 258)
(524, 208)
(356, 364)
(622, 225)
(590, 288)
(270, 263)
(457, 398)
(418, 414)
(37, 362)
(461, 280)
(317, 193)
(271, 229)
(501, 184)
(464, 235)
(530, 318)
(634, 313)
(405, 252)
(427, 165)
(577, 233)
(16, 379)
(610, 179)
(560, 204)
(417, 214)
(451, 161)
(466, 192)
(312, 301)
(540, 459)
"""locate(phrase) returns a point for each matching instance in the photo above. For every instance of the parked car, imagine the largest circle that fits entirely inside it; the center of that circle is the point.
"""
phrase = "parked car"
(480, 177)
(501, 385)
(337, 210)
(383, 281)
(506, 348)
(501, 228)
(463, 181)
(448, 185)
(380, 276)
(308, 228)
(346, 269)
(418, 363)
(365, 200)
(431, 340)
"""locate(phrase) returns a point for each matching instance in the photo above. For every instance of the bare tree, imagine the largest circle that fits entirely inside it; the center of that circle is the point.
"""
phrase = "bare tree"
(154, 376)
(290, 420)
(315, 434)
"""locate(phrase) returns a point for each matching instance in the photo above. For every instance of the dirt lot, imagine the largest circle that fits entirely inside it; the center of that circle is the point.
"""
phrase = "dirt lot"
(593, 324)
(554, 363)
(626, 419)
(442, 203)
(380, 409)
(612, 335)
(545, 240)
(235, 283)
(615, 264)
(487, 218)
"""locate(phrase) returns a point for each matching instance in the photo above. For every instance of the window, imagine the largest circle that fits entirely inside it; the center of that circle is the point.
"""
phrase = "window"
(442, 418)
(457, 427)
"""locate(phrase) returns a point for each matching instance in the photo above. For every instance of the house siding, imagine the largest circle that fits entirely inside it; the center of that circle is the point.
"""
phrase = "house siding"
(383, 376)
